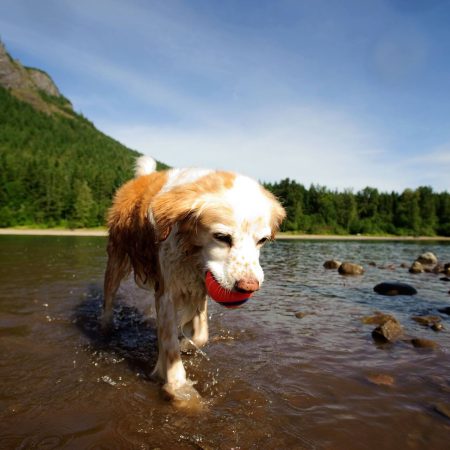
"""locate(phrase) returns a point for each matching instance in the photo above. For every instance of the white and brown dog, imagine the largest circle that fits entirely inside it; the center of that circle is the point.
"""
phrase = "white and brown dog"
(172, 227)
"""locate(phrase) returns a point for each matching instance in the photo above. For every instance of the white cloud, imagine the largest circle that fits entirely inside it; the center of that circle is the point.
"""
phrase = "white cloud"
(309, 145)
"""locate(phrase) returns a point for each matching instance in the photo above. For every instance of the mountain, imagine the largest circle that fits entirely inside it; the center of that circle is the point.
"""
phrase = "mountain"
(56, 168)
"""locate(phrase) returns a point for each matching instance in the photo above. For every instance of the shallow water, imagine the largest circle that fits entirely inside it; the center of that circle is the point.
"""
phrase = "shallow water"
(270, 380)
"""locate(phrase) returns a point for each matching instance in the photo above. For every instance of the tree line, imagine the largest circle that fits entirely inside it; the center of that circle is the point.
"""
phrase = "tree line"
(319, 210)
(59, 170)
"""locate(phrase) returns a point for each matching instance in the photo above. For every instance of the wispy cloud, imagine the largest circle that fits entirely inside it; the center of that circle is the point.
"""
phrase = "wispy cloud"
(309, 145)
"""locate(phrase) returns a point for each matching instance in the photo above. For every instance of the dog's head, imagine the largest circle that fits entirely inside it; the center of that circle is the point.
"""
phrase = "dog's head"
(225, 218)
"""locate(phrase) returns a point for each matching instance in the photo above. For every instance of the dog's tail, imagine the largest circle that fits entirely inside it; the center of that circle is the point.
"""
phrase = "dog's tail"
(144, 166)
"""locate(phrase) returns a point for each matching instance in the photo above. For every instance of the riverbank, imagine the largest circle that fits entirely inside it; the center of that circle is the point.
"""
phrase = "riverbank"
(331, 237)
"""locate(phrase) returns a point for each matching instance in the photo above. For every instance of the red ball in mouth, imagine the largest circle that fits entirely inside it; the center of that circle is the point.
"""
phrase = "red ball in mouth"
(229, 299)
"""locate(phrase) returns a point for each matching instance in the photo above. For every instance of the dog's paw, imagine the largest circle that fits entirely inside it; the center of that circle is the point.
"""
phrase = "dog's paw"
(106, 322)
(184, 396)
(187, 345)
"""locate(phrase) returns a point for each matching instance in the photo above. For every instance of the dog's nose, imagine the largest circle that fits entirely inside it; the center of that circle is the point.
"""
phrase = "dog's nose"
(247, 285)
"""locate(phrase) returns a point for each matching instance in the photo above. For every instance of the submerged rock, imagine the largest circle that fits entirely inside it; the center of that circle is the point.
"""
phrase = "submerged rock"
(447, 269)
(445, 279)
(416, 267)
(388, 267)
(390, 331)
(427, 258)
(427, 321)
(437, 326)
(424, 343)
(443, 409)
(445, 310)
(394, 288)
(332, 264)
(381, 379)
(300, 314)
(348, 268)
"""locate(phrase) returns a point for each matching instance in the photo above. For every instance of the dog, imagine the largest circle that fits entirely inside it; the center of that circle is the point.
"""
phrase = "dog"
(170, 228)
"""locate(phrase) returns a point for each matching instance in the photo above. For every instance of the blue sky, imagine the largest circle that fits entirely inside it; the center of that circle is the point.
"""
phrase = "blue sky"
(343, 93)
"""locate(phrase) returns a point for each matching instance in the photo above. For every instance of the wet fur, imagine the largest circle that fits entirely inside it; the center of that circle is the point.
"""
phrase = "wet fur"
(160, 232)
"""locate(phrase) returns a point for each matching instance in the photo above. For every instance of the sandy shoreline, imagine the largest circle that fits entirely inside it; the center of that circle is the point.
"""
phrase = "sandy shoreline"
(52, 232)
(101, 232)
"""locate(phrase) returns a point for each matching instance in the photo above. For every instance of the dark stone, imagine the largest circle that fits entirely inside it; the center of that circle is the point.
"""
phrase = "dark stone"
(331, 264)
(390, 331)
(348, 268)
(445, 279)
(394, 288)
(447, 269)
(445, 310)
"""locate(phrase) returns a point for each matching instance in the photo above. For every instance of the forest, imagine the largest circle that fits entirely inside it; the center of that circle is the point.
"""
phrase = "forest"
(58, 170)
(55, 169)
(318, 210)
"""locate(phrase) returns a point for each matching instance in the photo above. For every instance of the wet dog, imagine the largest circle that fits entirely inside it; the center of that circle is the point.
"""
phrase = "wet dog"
(171, 228)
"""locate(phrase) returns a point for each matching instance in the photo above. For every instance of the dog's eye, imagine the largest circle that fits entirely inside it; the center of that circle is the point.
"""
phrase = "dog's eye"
(263, 240)
(225, 238)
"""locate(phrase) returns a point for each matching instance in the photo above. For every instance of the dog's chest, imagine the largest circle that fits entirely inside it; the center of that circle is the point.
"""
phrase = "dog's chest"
(182, 274)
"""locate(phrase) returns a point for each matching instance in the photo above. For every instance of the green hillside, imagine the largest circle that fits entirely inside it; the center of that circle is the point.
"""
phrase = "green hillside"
(56, 169)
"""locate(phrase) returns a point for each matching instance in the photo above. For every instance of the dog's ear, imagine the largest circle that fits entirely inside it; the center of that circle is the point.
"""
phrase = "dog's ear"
(191, 205)
(178, 206)
(278, 214)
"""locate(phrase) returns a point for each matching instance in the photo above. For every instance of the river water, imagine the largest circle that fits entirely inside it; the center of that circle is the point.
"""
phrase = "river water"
(268, 379)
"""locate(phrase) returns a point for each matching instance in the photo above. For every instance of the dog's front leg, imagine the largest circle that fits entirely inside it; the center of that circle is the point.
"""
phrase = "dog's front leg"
(169, 366)
(200, 324)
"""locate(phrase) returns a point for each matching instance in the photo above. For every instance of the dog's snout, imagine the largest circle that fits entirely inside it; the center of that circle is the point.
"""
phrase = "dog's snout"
(247, 285)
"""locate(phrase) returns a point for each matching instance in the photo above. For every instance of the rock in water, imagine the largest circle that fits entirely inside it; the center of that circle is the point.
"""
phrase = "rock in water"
(424, 343)
(437, 327)
(426, 320)
(445, 310)
(447, 269)
(348, 268)
(390, 331)
(381, 379)
(332, 264)
(416, 267)
(427, 258)
(394, 288)
(378, 318)
(443, 409)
